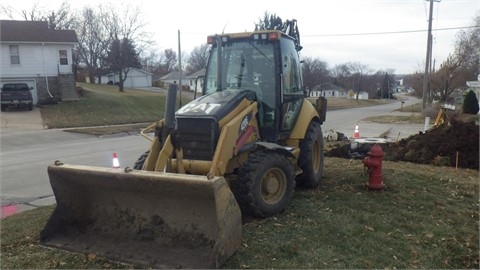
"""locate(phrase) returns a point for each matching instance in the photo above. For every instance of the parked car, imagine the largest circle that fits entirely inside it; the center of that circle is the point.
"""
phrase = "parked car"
(17, 95)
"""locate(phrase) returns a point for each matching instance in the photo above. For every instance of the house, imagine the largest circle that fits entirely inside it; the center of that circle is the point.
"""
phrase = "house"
(173, 77)
(331, 90)
(195, 83)
(32, 53)
(135, 78)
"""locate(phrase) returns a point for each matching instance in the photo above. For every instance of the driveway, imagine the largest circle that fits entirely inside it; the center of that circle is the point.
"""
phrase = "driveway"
(14, 120)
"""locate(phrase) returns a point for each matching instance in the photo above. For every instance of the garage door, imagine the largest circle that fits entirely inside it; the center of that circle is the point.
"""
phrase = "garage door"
(140, 81)
(30, 83)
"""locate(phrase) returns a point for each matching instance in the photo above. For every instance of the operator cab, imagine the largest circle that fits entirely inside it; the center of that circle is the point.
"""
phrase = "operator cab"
(267, 63)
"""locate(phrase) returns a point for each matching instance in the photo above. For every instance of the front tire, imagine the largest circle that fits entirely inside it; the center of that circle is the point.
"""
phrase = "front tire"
(264, 185)
(311, 159)
(140, 161)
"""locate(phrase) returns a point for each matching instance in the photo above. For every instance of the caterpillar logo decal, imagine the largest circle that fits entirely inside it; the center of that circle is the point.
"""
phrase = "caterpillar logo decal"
(244, 124)
(207, 108)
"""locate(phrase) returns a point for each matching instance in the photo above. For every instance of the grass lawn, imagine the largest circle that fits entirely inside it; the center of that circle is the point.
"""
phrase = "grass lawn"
(104, 105)
(426, 217)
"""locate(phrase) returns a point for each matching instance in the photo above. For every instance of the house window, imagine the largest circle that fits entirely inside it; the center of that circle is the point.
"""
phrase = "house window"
(63, 57)
(14, 55)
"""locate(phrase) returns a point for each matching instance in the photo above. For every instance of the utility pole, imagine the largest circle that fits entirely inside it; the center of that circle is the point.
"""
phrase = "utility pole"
(179, 72)
(428, 57)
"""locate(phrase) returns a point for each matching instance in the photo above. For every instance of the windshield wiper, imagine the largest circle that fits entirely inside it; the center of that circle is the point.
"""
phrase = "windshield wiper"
(260, 51)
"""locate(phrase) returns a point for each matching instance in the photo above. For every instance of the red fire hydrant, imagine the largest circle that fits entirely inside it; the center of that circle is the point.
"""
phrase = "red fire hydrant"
(374, 164)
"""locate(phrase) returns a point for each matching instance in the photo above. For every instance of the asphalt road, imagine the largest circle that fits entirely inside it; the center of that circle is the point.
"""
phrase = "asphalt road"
(27, 149)
(345, 120)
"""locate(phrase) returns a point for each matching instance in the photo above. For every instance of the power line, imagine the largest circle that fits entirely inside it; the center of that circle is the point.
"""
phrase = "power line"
(388, 33)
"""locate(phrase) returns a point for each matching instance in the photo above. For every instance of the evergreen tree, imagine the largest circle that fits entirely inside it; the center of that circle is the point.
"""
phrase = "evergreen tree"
(470, 103)
(121, 58)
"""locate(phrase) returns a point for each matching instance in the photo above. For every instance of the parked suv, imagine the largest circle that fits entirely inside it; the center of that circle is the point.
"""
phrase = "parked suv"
(16, 94)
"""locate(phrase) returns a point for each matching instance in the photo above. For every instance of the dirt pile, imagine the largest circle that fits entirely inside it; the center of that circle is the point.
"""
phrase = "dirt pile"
(438, 146)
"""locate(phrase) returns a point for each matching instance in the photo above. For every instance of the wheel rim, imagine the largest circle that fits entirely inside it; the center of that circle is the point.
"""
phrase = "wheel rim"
(273, 186)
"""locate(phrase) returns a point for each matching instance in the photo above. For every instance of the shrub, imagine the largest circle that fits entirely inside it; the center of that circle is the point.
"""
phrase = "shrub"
(470, 103)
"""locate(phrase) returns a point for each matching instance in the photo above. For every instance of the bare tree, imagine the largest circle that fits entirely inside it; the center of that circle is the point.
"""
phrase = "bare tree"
(461, 66)
(92, 42)
(415, 81)
(61, 19)
(170, 60)
(449, 76)
(197, 59)
(315, 73)
(467, 48)
(123, 28)
(353, 75)
(360, 74)
(152, 62)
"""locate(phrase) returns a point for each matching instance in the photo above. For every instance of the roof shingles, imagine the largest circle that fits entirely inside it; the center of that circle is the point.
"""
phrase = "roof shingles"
(33, 31)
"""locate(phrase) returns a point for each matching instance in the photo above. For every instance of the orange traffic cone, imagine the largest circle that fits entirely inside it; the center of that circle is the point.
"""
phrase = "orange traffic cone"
(116, 163)
(356, 134)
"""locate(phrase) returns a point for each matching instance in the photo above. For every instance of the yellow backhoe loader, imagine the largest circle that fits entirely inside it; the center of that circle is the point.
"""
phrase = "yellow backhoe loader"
(238, 150)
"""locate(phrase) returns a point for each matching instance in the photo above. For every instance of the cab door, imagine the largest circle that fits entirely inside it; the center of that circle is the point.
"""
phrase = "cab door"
(292, 92)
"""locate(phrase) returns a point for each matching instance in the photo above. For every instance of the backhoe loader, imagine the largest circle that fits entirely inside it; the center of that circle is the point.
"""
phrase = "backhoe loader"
(237, 151)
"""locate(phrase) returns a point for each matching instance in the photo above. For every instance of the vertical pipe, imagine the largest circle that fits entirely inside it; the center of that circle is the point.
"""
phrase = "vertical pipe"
(45, 70)
(427, 124)
(179, 71)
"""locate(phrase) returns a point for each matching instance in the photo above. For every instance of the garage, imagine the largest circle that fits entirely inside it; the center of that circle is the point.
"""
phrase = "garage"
(30, 83)
(135, 78)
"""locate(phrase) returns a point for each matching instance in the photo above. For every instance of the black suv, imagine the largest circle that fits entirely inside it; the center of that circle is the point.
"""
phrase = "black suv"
(16, 94)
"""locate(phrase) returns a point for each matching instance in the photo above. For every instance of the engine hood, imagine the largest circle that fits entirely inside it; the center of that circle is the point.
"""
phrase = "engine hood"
(215, 105)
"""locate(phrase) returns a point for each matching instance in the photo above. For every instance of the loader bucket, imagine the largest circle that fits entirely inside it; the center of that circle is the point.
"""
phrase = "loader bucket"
(155, 219)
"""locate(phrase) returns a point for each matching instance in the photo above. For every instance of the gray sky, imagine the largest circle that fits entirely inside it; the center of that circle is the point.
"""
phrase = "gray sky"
(336, 31)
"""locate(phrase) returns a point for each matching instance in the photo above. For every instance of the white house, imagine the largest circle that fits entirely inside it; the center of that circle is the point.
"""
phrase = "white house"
(196, 79)
(173, 77)
(334, 91)
(329, 90)
(30, 52)
(135, 78)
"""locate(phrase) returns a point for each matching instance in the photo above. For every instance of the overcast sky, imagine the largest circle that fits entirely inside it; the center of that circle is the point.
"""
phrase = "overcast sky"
(383, 34)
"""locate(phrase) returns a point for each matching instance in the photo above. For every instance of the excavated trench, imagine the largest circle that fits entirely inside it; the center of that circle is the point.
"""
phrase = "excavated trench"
(453, 144)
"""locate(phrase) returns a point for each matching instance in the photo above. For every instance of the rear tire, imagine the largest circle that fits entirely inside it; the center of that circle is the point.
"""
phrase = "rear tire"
(264, 185)
(140, 161)
(30, 106)
(311, 159)
(4, 108)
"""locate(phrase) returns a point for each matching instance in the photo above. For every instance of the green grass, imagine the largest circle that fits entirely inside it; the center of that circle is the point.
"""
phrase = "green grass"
(103, 105)
(426, 217)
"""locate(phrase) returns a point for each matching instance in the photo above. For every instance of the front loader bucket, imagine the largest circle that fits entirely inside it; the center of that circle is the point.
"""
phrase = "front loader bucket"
(156, 219)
